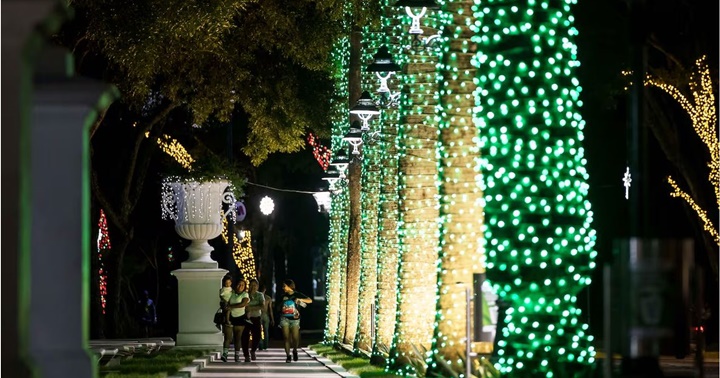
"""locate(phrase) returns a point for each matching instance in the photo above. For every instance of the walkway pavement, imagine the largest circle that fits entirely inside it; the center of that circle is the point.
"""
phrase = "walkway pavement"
(269, 364)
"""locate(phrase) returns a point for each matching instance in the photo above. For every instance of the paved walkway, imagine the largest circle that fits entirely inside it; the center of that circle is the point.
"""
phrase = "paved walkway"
(271, 363)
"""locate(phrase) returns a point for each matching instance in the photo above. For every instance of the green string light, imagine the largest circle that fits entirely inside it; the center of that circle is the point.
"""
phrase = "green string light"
(538, 237)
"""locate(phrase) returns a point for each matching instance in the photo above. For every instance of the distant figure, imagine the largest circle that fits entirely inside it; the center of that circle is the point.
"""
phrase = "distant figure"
(290, 317)
(267, 318)
(253, 312)
(148, 314)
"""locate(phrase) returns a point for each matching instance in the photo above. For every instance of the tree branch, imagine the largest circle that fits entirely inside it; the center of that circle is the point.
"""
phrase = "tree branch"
(144, 165)
(98, 121)
(129, 178)
(652, 40)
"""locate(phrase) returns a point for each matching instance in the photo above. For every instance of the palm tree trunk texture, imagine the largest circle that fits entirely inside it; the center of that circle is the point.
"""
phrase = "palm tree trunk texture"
(418, 208)
(460, 194)
(370, 193)
(352, 289)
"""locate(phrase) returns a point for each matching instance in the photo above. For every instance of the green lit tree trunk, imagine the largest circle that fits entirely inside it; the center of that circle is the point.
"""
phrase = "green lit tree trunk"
(339, 204)
(539, 240)
(350, 315)
(336, 264)
(387, 269)
(418, 213)
(460, 195)
(369, 197)
(370, 193)
(387, 243)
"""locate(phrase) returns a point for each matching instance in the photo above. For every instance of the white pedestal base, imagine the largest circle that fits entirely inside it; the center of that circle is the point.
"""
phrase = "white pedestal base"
(197, 303)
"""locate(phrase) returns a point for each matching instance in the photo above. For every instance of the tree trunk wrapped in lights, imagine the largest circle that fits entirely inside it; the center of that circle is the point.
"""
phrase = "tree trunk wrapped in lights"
(460, 195)
(349, 318)
(539, 241)
(387, 244)
(370, 193)
(418, 212)
(369, 197)
(339, 203)
(387, 239)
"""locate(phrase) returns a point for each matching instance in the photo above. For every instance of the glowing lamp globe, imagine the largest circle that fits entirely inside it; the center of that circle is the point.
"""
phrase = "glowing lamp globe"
(267, 205)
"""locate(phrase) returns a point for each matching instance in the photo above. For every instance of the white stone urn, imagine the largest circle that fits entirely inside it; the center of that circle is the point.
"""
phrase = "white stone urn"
(196, 208)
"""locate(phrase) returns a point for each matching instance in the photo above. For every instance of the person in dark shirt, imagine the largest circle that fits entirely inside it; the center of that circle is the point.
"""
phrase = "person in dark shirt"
(148, 314)
(290, 317)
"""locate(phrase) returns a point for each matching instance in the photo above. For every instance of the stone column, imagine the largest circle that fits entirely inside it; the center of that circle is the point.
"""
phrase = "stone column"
(55, 204)
(19, 17)
(197, 302)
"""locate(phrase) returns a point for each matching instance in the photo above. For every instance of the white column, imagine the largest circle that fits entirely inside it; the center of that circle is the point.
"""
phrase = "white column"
(198, 301)
(19, 17)
(59, 198)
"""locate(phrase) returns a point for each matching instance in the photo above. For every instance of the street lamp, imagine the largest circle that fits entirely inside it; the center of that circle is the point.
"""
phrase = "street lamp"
(383, 63)
(365, 109)
(323, 201)
(354, 137)
(341, 163)
(415, 29)
(267, 205)
(332, 176)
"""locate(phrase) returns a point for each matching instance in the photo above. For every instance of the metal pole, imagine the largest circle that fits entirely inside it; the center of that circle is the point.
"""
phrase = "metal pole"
(468, 331)
(607, 314)
(372, 324)
(478, 279)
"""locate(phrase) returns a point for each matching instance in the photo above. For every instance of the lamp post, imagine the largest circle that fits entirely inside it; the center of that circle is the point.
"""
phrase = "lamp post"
(354, 138)
(365, 109)
(384, 67)
(415, 29)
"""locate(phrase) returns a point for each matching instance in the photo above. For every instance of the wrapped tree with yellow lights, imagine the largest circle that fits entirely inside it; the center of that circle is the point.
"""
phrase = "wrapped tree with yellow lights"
(460, 195)
(417, 209)
(538, 236)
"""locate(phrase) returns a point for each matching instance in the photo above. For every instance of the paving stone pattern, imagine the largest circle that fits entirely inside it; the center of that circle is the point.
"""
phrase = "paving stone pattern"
(269, 363)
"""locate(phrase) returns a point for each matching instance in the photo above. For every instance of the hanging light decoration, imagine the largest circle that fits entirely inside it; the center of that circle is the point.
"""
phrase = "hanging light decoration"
(365, 109)
(267, 205)
(354, 137)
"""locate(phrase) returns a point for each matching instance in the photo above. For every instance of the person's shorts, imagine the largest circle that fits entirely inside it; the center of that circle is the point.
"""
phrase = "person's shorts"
(239, 321)
(292, 323)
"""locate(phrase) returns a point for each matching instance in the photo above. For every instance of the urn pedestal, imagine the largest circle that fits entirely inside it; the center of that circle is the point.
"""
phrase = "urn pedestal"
(196, 208)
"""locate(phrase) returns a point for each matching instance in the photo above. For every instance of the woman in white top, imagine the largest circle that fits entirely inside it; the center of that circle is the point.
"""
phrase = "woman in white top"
(237, 302)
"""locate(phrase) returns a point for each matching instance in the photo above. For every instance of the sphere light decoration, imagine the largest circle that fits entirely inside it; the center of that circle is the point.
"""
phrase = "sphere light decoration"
(267, 205)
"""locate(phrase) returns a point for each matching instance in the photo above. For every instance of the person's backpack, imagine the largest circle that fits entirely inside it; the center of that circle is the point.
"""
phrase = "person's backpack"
(219, 318)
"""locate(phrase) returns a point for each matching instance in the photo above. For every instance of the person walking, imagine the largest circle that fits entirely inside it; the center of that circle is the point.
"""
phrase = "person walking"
(233, 332)
(148, 314)
(253, 312)
(290, 317)
(267, 318)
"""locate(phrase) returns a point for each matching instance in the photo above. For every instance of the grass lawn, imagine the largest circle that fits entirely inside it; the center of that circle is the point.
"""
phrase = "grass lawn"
(154, 366)
(356, 365)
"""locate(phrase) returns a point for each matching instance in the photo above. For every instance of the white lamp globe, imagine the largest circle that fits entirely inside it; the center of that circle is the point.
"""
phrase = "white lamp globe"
(267, 205)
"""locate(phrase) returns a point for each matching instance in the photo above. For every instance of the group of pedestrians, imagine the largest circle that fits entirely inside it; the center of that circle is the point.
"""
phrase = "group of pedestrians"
(249, 312)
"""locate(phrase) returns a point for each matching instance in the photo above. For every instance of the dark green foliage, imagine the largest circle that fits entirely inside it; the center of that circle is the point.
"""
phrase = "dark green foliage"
(270, 57)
